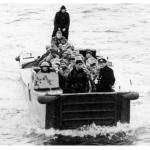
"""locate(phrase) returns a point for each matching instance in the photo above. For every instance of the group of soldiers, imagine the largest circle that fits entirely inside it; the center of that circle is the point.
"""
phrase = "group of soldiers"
(77, 74)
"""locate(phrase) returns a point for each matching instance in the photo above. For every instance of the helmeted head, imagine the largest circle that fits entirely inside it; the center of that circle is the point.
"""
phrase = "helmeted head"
(79, 64)
(63, 9)
(102, 62)
(59, 34)
(45, 66)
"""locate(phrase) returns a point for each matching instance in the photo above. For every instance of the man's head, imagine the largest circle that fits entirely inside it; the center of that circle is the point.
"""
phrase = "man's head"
(88, 54)
(69, 54)
(59, 34)
(63, 63)
(102, 62)
(45, 66)
(65, 54)
(63, 9)
(79, 64)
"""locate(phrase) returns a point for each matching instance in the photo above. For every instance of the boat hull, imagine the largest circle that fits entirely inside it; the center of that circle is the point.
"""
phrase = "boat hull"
(73, 110)
(70, 111)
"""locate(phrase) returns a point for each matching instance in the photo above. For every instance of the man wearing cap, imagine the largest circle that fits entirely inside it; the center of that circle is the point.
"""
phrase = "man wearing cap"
(106, 77)
(78, 81)
(62, 22)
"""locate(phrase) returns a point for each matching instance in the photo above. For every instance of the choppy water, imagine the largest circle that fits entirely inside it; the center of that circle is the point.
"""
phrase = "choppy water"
(120, 31)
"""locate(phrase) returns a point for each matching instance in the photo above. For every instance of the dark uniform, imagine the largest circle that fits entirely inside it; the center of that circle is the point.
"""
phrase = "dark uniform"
(106, 80)
(62, 20)
(63, 75)
(78, 81)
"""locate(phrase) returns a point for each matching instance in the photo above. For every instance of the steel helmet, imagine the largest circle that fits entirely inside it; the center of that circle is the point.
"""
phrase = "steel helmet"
(45, 64)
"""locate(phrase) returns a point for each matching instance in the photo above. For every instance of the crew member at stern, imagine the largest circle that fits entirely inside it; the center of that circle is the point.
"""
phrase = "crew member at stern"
(106, 77)
(62, 22)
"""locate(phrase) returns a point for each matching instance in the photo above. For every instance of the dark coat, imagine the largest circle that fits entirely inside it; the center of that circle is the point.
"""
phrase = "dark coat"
(78, 81)
(63, 75)
(62, 20)
(106, 80)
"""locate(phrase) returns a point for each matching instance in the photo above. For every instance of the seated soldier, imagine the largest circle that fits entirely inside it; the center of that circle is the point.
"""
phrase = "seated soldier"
(41, 58)
(50, 54)
(59, 42)
(67, 56)
(106, 77)
(63, 75)
(78, 81)
(89, 59)
(55, 64)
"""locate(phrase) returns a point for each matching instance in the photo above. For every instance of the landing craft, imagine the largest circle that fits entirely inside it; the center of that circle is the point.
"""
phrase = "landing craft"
(54, 109)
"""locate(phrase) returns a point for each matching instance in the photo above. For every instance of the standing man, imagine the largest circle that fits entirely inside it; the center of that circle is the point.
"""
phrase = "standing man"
(62, 22)
(78, 81)
(106, 78)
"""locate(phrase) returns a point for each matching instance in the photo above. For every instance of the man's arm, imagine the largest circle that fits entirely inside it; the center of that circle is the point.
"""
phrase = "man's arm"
(56, 20)
(64, 41)
(111, 77)
(87, 82)
(67, 21)
(68, 83)
(53, 43)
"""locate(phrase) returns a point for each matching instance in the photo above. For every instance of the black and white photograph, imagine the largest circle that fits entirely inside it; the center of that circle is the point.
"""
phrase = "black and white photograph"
(75, 74)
